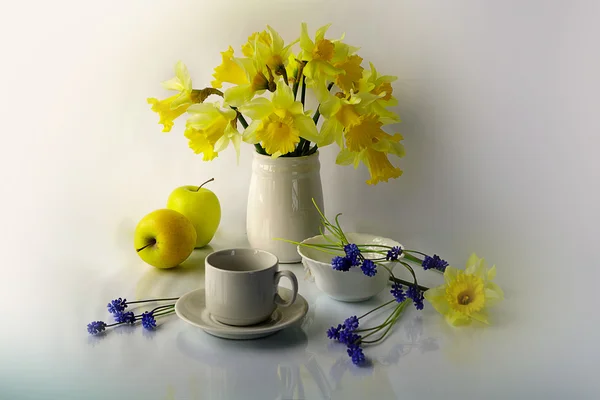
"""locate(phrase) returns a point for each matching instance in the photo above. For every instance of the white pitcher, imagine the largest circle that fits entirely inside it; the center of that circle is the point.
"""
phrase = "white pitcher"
(280, 203)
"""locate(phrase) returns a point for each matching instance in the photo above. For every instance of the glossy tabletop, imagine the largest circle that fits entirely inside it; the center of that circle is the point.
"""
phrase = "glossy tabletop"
(422, 358)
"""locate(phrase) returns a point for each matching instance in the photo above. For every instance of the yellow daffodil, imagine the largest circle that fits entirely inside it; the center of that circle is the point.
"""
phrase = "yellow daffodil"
(279, 123)
(273, 54)
(210, 129)
(380, 86)
(166, 113)
(262, 37)
(379, 166)
(322, 55)
(465, 295)
(257, 83)
(172, 107)
(229, 71)
(346, 118)
(353, 73)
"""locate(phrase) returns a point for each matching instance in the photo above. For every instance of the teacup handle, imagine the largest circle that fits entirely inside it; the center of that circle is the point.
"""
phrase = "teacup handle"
(290, 275)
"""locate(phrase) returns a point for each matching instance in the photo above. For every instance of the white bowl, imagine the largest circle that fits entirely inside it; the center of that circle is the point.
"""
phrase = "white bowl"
(352, 285)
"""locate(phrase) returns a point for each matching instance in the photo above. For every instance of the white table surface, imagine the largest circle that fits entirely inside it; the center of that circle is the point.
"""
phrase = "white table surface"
(47, 353)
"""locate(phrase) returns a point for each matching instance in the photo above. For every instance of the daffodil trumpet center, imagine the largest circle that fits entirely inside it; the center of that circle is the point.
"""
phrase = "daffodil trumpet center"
(323, 50)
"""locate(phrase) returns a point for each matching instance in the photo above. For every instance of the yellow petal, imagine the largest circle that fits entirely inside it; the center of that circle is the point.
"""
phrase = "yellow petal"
(222, 143)
(455, 318)
(437, 298)
(330, 107)
(380, 168)
(329, 129)
(320, 35)
(450, 274)
(229, 71)
(345, 157)
(238, 95)
(305, 42)
(249, 135)
(307, 128)
(352, 73)
(481, 317)
(283, 96)
(491, 274)
(258, 108)
(165, 112)
(182, 73)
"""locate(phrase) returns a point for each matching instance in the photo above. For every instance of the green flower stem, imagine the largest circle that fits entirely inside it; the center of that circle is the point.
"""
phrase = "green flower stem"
(412, 271)
(398, 312)
(389, 323)
(397, 280)
(375, 309)
(412, 258)
(303, 92)
(153, 300)
(298, 151)
(160, 314)
(314, 246)
(316, 115)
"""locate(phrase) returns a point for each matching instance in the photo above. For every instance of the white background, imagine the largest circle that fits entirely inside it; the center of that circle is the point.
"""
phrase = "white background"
(499, 106)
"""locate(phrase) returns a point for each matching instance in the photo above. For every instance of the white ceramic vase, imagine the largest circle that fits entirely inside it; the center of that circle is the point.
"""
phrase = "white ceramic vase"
(280, 203)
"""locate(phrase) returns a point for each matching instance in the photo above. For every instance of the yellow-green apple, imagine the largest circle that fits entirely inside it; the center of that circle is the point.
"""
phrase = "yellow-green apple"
(199, 205)
(164, 238)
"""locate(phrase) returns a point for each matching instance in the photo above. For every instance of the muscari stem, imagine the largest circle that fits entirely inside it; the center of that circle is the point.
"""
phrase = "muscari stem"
(150, 300)
(397, 312)
(199, 187)
(375, 309)
(420, 287)
(390, 320)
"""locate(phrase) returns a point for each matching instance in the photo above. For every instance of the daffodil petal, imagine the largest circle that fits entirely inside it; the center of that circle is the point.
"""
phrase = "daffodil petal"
(183, 98)
(450, 274)
(182, 73)
(305, 42)
(249, 135)
(173, 84)
(236, 140)
(455, 318)
(328, 132)
(307, 128)
(436, 297)
(481, 317)
(277, 40)
(238, 95)
(283, 96)
(491, 274)
(257, 109)
(320, 34)
(345, 157)
(330, 107)
(222, 143)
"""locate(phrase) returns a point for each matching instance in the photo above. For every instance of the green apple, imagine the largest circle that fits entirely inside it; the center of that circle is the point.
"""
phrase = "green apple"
(199, 205)
(164, 238)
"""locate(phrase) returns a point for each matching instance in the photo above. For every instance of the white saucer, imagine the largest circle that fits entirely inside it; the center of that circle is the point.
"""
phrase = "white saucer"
(191, 308)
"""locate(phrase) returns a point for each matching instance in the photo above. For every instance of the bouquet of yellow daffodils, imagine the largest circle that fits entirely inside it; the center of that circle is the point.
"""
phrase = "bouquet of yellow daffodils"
(355, 103)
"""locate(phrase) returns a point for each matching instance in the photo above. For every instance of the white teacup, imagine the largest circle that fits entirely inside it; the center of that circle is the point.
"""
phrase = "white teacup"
(241, 286)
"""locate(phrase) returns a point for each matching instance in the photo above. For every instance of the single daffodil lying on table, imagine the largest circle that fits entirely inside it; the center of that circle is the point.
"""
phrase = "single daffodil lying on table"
(466, 295)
